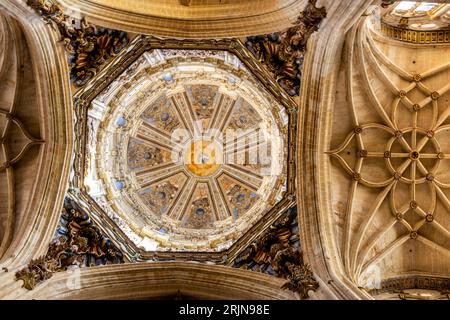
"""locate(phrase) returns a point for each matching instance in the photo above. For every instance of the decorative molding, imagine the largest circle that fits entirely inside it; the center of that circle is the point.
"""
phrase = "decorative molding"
(159, 280)
(397, 285)
(416, 37)
(88, 46)
(78, 243)
(283, 52)
(277, 252)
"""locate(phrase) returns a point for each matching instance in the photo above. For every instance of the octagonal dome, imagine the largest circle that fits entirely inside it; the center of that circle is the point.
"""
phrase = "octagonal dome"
(186, 151)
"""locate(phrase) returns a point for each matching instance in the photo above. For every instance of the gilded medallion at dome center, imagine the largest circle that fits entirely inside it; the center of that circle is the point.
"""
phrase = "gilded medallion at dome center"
(203, 158)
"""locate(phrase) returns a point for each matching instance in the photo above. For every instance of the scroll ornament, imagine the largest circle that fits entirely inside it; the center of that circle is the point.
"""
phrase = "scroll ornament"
(283, 52)
(89, 47)
(277, 252)
(78, 243)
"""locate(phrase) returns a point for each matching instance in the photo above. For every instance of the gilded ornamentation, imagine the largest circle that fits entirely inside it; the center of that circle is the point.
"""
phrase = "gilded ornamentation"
(414, 36)
(283, 52)
(277, 252)
(78, 243)
(36, 272)
(141, 155)
(244, 117)
(88, 47)
(300, 276)
(200, 212)
(160, 196)
(240, 198)
(162, 115)
(203, 98)
(416, 22)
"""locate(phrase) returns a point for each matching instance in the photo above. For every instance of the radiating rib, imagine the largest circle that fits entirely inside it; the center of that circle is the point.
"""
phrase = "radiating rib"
(222, 206)
(441, 184)
(366, 222)
(378, 71)
(350, 95)
(21, 154)
(387, 250)
(243, 177)
(435, 71)
(349, 219)
(247, 140)
(223, 121)
(186, 102)
(372, 96)
(156, 173)
(179, 207)
(433, 245)
(223, 197)
(363, 253)
(441, 229)
(443, 197)
(161, 136)
(154, 142)
(183, 115)
(217, 108)
(388, 63)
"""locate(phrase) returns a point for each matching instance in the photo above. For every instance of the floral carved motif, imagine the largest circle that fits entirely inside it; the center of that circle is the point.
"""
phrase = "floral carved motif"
(277, 252)
(88, 46)
(78, 243)
(282, 52)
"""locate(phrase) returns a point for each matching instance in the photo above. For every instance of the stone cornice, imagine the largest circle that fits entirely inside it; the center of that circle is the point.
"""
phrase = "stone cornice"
(209, 23)
(440, 36)
(398, 284)
(159, 279)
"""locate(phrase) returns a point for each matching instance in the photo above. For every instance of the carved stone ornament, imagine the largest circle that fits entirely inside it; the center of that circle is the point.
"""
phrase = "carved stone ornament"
(78, 243)
(277, 252)
(283, 52)
(401, 284)
(88, 46)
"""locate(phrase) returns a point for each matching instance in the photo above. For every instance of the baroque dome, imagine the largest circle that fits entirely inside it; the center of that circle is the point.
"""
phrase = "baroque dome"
(186, 150)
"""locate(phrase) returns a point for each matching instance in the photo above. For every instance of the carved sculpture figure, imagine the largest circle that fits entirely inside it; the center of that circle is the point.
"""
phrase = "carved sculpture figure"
(78, 244)
(282, 52)
(88, 47)
(277, 253)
